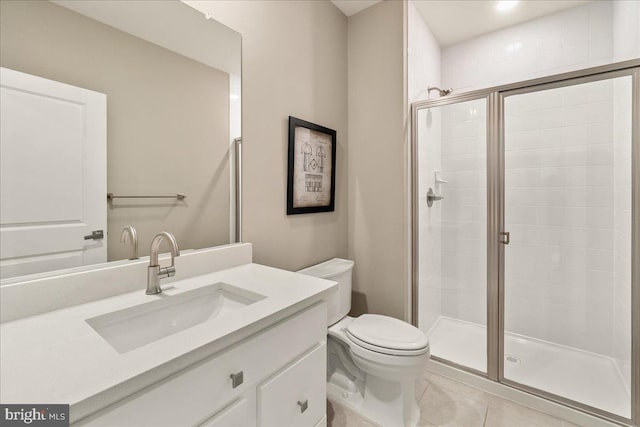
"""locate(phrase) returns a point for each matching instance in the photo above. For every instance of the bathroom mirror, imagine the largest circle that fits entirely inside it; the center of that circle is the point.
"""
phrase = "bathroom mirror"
(136, 99)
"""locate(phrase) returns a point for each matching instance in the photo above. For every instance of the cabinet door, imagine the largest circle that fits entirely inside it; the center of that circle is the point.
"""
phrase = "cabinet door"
(240, 413)
(192, 395)
(295, 396)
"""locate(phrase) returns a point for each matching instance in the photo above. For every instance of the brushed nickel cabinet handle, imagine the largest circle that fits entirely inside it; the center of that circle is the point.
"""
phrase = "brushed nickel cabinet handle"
(237, 379)
(303, 405)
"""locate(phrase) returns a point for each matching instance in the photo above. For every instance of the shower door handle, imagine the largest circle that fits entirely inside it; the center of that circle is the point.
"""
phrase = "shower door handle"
(506, 237)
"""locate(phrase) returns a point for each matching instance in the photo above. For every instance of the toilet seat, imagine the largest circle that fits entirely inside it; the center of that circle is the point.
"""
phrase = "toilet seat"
(385, 350)
(387, 335)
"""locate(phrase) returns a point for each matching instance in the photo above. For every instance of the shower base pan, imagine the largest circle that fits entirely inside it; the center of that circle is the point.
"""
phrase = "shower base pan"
(585, 377)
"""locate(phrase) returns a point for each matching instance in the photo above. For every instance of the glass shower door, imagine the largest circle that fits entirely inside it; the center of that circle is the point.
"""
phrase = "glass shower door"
(451, 217)
(567, 264)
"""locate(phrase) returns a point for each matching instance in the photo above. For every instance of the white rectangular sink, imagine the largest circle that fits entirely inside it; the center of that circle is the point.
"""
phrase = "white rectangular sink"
(133, 327)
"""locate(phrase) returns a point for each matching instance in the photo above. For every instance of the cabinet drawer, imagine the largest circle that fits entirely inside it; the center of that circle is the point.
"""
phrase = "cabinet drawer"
(193, 394)
(241, 413)
(322, 422)
(296, 396)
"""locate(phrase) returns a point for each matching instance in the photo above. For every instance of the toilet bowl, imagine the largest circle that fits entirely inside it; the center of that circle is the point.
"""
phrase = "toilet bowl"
(373, 361)
(388, 368)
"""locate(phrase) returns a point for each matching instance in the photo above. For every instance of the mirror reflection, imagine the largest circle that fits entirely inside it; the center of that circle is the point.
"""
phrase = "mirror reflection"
(105, 97)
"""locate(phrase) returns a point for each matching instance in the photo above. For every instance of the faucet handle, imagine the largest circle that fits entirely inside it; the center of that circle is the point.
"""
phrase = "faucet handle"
(165, 272)
(154, 271)
(433, 197)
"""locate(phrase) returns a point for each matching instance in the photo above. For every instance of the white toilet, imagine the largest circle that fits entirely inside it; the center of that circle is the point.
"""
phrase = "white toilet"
(373, 361)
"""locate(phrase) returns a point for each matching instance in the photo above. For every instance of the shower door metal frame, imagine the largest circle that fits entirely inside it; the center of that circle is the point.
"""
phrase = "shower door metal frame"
(495, 144)
(415, 196)
(560, 83)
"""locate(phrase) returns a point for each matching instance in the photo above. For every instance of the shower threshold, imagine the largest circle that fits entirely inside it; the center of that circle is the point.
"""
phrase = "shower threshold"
(590, 378)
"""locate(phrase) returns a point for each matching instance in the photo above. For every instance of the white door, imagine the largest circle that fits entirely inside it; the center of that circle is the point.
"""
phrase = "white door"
(53, 174)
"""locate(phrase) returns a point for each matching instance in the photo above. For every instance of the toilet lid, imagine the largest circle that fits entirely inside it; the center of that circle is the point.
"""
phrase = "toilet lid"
(387, 333)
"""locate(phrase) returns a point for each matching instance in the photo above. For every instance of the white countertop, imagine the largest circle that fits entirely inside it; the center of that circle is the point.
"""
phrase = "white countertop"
(57, 357)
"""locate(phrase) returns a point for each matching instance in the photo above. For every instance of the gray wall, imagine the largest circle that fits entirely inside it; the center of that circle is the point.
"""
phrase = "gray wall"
(168, 119)
(378, 173)
(294, 57)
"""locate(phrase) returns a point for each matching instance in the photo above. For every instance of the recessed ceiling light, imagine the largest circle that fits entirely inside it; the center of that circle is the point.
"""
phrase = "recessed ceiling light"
(504, 5)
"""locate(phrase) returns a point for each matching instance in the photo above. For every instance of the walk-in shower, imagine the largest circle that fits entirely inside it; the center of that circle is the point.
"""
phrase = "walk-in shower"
(526, 235)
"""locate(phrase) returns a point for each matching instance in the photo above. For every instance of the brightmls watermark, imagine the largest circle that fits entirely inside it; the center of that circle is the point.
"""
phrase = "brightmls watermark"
(34, 415)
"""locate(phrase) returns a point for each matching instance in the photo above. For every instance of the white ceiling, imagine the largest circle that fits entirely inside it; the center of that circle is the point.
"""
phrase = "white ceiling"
(452, 21)
(351, 7)
(190, 34)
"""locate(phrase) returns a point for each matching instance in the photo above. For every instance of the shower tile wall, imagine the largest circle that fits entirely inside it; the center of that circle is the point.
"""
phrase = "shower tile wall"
(559, 266)
(430, 232)
(626, 29)
(424, 71)
(573, 39)
(464, 212)
(423, 56)
(589, 35)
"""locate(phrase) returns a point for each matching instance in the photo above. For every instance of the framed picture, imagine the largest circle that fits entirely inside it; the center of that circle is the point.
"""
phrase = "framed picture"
(312, 168)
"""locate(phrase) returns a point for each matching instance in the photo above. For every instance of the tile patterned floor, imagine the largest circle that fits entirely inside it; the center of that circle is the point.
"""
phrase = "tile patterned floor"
(448, 403)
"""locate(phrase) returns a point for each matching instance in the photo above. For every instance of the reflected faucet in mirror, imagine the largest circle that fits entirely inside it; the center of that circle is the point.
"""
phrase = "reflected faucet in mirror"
(155, 272)
(130, 234)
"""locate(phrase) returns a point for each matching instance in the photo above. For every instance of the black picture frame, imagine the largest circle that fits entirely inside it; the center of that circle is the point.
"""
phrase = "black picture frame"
(307, 177)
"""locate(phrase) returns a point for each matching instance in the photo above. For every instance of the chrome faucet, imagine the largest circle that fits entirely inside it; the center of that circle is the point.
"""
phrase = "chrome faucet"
(129, 233)
(154, 271)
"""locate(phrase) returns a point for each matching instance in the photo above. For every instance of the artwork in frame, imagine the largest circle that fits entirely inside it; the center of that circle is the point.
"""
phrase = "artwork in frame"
(312, 168)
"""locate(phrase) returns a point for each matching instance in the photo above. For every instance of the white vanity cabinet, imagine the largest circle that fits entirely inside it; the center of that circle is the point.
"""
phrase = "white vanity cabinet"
(274, 378)
(303, 383)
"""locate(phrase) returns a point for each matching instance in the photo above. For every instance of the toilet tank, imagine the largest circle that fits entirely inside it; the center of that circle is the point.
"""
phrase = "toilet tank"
(338, 270)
